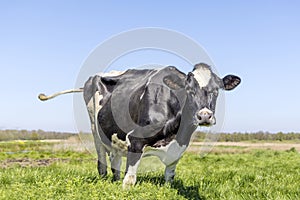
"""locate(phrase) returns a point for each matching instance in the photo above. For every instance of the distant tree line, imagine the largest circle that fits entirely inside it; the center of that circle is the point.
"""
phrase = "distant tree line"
(258, 136)
(199, 136)
(32, 135)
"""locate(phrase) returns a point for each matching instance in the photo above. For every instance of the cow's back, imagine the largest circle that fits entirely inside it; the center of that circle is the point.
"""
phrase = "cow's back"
(140, 99)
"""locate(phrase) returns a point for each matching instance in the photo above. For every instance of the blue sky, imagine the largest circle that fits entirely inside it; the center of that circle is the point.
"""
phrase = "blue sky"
(44, 43)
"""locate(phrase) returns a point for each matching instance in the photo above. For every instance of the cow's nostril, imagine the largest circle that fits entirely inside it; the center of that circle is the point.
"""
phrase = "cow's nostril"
(199, 117)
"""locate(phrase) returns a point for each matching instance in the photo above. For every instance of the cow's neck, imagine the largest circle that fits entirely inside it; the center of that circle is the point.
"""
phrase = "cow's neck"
(187, 127)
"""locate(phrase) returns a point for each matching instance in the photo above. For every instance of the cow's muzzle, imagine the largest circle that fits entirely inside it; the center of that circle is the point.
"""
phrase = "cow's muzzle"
(206, 117)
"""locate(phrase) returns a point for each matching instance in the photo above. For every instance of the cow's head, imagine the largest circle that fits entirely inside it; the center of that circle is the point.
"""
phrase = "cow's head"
(203, 89)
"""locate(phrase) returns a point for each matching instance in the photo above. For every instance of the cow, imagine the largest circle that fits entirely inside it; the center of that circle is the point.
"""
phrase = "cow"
(144, 112)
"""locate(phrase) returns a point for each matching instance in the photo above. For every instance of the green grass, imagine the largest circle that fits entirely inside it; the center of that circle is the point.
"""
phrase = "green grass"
(258, 174)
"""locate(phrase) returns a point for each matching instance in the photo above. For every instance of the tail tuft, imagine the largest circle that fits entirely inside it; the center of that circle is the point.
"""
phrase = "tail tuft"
(42, 97)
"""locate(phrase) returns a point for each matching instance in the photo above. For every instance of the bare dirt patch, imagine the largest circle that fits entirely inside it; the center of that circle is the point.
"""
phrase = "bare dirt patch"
(27, 162)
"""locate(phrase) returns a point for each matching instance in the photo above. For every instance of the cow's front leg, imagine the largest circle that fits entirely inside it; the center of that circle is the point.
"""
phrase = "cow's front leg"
(170, 172)
(116, 161)
(133, 161)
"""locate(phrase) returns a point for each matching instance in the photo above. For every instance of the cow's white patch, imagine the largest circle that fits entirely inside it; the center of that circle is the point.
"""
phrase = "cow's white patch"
(202, 76)
(130, 177)
(111, 73)
(93, 105)
(167, 154)
(127, 139)
(142, 95)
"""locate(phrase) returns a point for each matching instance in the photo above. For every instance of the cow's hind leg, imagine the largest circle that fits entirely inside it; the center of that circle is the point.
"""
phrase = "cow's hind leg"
(101, 153)
(93, 108)
(116, 162)
(102, 164)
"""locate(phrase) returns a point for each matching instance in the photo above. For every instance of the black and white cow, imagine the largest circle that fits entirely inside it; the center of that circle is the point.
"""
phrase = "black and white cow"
(146, 112)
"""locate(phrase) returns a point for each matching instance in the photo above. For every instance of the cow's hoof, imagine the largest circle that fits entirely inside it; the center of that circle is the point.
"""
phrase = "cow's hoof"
(116, 177)
(102, 173)
(170, 179)
(129, 181)
(102, 170)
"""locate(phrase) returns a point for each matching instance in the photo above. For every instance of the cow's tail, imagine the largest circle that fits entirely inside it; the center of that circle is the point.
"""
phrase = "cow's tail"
(43, 97)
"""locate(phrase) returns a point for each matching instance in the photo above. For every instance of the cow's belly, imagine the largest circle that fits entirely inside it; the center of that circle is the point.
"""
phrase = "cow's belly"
(168, 154)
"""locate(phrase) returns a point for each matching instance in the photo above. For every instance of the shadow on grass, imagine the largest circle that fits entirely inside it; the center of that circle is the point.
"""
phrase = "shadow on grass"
(95, 179)
(188, 192)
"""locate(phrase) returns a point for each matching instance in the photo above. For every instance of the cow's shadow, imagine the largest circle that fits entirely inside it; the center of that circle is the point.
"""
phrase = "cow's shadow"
(188, 192)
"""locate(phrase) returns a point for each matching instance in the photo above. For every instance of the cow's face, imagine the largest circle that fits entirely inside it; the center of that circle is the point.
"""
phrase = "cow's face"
(203, 90)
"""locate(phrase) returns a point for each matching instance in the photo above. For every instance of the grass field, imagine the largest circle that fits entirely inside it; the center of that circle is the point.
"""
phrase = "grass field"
(63, 170)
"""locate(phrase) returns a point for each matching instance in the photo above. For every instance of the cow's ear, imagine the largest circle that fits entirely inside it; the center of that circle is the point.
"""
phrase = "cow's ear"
(230, 82)
(173, 82)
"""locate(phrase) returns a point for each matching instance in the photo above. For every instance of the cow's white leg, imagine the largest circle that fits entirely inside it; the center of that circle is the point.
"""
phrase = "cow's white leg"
(115, 161)
(170, 172)
(133, 161)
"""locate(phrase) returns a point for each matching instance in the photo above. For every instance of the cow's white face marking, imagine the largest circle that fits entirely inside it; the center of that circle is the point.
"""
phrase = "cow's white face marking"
(168, 154)
(202, 76)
